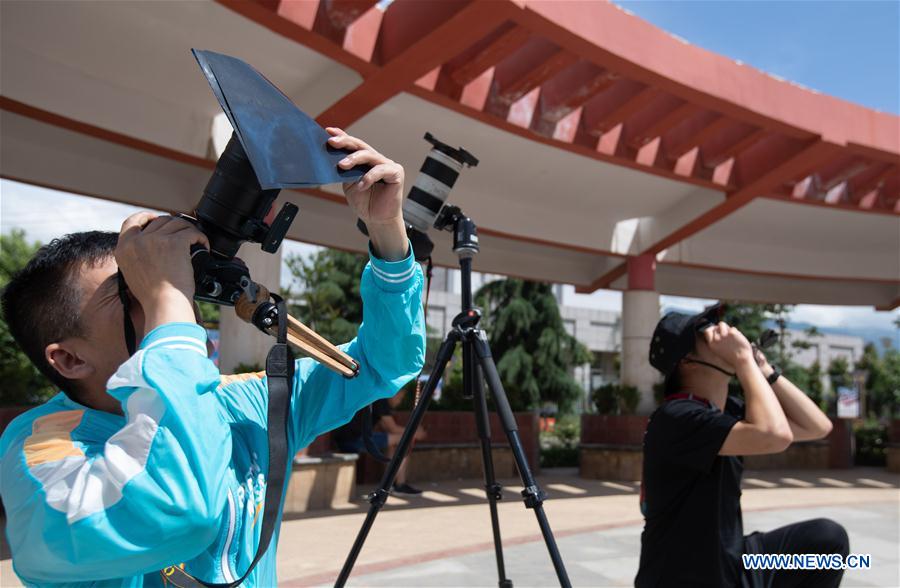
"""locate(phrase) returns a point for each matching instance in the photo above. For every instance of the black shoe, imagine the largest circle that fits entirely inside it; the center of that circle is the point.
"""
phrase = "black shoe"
(405, 489)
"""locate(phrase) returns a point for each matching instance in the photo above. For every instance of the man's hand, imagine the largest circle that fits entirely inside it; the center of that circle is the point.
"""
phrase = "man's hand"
(729, 344)
(763, 363)
(153, 254)
(377, 198)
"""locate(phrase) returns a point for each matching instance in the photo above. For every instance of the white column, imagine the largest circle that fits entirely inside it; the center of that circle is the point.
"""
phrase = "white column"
(241, 342)
(640, 313)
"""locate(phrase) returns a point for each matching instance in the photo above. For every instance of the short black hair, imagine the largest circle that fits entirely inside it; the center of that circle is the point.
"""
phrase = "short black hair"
(42, 300)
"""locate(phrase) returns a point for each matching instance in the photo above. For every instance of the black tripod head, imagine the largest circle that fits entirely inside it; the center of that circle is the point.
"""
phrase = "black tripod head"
(465, 233)
(467, 319)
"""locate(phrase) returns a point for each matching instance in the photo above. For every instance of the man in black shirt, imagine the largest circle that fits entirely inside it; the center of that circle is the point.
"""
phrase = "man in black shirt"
(386, 433)
(691, 488)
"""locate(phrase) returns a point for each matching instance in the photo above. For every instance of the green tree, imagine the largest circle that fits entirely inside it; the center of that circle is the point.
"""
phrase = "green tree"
(753, 319)
(839, 377)
(813, 388)
(22, 382)
(325, 294)
(882, 381)
(209, 313)
(533, 351)
(889, 385)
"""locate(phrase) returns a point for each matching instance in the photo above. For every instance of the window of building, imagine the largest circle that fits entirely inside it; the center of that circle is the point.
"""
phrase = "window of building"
(437, 316)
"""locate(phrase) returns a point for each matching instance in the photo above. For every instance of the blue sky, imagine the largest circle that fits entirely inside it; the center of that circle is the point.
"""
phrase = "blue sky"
(847, 49)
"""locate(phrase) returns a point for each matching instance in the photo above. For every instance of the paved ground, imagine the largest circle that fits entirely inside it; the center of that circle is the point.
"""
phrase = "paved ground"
(609, 557)
(444, 539)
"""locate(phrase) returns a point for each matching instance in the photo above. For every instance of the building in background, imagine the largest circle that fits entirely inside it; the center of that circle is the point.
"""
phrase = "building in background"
(825, 348)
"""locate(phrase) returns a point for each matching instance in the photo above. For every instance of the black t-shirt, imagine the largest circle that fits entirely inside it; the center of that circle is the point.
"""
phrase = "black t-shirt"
(691, 497)
(354, 429)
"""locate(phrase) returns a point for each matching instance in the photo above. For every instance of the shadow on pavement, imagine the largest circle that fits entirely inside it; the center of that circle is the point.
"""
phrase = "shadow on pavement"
(564, 484)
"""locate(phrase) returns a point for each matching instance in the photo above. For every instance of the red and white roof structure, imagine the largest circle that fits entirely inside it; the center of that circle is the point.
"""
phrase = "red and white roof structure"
(601, 137)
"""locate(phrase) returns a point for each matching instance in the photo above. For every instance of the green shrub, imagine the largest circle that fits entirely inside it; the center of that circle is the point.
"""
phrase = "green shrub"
(616, 399)
(870, 442)
(559, 457)
(559, 447)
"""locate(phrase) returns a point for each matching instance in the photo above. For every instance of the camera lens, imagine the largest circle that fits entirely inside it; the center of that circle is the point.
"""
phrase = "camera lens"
(431, 189)
(434, 182)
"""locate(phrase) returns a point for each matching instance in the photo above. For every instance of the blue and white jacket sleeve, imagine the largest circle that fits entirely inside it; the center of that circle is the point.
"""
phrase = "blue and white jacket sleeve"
(390, 349)
(150, 496)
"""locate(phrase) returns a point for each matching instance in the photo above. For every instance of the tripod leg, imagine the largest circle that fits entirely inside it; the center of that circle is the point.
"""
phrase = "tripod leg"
(380, 495)
(474, 386)
(533, 495)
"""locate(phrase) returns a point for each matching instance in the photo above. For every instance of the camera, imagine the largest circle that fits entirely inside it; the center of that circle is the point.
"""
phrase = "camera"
(234, 209)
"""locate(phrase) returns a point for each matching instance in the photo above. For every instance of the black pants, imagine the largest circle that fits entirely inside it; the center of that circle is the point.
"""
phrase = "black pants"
(815, 536)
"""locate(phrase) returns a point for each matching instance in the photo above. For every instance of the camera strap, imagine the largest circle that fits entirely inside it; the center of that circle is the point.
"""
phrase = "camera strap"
(280, 377)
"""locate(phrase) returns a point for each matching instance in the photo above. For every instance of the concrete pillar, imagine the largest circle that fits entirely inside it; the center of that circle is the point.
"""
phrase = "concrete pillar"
(640, 313)
(241, 342)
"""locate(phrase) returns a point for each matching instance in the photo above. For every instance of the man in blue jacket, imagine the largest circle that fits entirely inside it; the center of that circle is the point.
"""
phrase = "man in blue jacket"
(155, 460)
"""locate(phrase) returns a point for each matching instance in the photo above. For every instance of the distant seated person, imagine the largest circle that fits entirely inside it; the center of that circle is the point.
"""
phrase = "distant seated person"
(386, 434)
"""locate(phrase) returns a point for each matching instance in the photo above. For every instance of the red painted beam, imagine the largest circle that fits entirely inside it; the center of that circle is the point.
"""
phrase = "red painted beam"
(523, 71)
(715, 157)
(567, 92)
(890, 192)
(361, 36)
(332, 18)
(841, 169)
(630, 105)
(343, 13)
(576, 146)
(604, 281)
(76, 126)
(129, 142)
(799, 164)
(452, 36)
(664, 124)
(694, 135)
(294, 21)
(536, 76)
(572, 88)
(610, 37)
(503, 42)
(867, 181)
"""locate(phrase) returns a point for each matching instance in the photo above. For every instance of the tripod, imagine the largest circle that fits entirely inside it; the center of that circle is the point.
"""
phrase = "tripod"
(477, 361)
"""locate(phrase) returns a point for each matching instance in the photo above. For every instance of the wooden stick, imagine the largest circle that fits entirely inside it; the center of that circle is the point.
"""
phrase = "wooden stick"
(305, 332)
(301, 336)
(319, 356)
